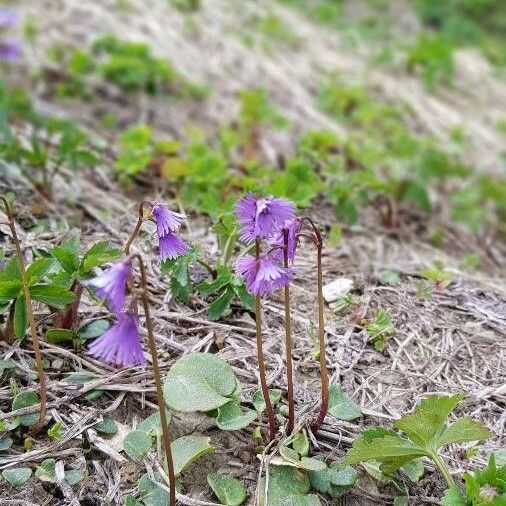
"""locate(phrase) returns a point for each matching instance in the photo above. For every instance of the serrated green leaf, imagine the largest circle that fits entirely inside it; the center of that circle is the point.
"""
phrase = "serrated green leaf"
(52, 295)
(341, 406)
(38, 269)
(453, 497)
(462, 431)
(17, 476)
(98, 255)
(199, 382)
(221, 304)
(137, 444)
(229, 490)
(68, 261)
(20, 317)
(24, 400)
(11, 272)
(232, 417)
(188, 449)
(9, 290)
(387, 447)
(428, 418)
(414, 470)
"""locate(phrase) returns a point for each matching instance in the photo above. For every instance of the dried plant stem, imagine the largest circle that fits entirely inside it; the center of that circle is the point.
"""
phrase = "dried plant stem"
(261, 360)
(158, 383)
(138, 226)
(31, 320)
(288, 343)
(324, 375)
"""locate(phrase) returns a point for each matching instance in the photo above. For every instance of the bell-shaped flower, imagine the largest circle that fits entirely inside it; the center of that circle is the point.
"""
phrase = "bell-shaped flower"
(262, 218)
(121, 344)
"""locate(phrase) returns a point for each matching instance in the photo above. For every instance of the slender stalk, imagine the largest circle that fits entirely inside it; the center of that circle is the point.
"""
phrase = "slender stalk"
(324, 375)
(31, 320)
(261, 360)
(443, 469)
(288, 343)
(158, 383)
(138, 225)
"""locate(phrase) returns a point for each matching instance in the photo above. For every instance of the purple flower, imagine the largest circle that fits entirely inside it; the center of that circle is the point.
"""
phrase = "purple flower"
(262, 218)
(264, 276)
(9, 50)
(166, 220)
(171, 246)
(111, 284)
(8, 19)
(121, 344)
(293, 226)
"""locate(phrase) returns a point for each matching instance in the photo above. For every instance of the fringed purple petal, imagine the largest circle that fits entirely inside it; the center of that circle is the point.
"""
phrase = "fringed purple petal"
(8, 19)
(120, 345)
(111, 284)
(262, 277)
(10, 50)
(167, 221)
(171, 246)
(262, 218)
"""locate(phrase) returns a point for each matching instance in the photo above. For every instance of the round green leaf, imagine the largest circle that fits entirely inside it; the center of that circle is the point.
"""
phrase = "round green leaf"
(17, 476)
(341, 406)
(152, 425)
(188, 449)
(137, 444)
(5, 443)
(199, 382)
(151, 494)
(23, 400)
(93, 329)
(74, 476)
(107, 426)
(232, 417)
(258, 398)
(227, 489)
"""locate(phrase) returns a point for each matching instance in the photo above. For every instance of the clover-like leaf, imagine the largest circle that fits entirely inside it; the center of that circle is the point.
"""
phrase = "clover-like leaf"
(229, 490)
(232, 417)
(137, 444)
(199, 382)
(341, 406)
(188, 449)
(17, 476)
(463, 430)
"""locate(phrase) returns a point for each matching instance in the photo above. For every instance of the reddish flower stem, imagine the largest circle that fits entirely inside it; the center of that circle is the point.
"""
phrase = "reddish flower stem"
(158, 383)
(324, 375)
(261, 360)
(138, 225)
(31, 320)
(288, 343)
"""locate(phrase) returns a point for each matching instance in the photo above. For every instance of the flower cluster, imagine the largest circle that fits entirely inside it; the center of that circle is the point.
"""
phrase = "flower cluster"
(266, 219)
(167, 222)
(9, 47)
(121, 344)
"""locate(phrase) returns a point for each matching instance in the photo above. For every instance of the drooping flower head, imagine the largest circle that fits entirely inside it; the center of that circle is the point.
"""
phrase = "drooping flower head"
(9, 50)
(293, 227)
(167, 221)
(262, 218)
(264, 276)
(171, 247)
(111, 284)
(121, 344)
(8, 19)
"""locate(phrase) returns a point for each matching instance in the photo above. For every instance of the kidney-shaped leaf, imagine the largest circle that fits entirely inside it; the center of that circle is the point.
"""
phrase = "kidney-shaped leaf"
(17, 476)
(229, 490)
(188, 449)
(199, 382)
